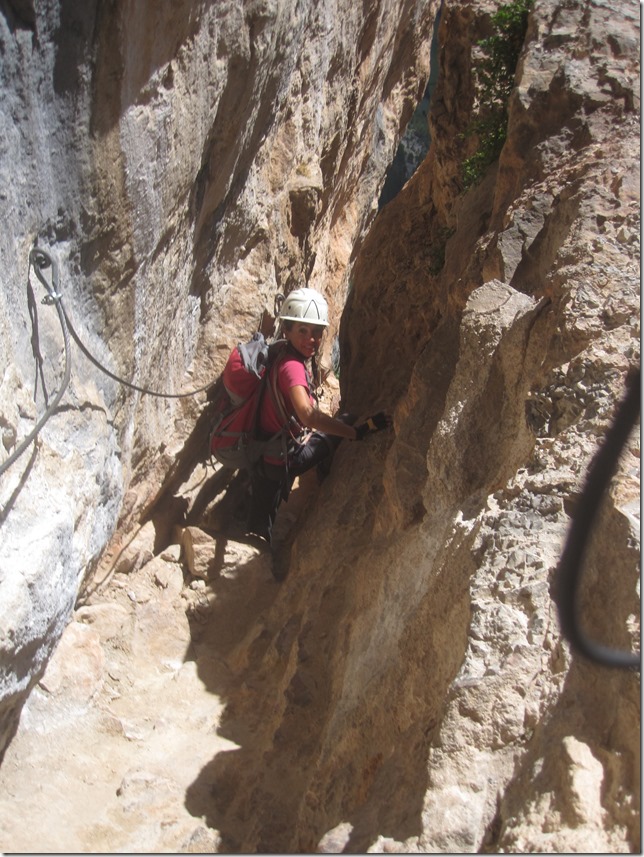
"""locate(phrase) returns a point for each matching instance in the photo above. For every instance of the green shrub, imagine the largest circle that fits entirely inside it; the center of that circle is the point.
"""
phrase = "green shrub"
(494, 77)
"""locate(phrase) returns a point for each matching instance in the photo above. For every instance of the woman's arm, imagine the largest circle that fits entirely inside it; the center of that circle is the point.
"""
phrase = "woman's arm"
(315, 419)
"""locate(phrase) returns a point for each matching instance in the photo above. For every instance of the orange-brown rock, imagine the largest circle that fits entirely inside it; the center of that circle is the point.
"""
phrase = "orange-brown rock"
(406, 688)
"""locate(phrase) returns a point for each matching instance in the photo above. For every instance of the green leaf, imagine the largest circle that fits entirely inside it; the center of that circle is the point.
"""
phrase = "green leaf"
(494, 77)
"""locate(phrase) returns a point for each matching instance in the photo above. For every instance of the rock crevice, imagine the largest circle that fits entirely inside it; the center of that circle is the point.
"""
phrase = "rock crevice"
(406, 688)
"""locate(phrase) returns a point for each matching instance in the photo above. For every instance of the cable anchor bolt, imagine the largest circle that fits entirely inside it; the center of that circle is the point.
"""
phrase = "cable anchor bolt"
(52, 298)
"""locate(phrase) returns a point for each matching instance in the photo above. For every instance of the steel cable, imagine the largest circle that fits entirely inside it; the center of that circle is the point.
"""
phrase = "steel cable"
(122, 381)
(40, 260)
(570, 566)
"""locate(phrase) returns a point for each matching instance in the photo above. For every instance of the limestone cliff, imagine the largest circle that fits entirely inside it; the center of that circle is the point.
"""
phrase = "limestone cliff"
(407, 687)
(183, 164)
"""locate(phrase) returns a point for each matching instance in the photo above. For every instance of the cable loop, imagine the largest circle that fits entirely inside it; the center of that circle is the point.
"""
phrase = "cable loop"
(41, 260)
(38, 258)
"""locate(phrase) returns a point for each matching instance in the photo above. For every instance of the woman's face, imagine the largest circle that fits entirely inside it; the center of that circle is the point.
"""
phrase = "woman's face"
(305, 338)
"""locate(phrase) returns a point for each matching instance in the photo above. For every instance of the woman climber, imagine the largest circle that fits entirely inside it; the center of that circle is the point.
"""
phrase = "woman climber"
(290, 400)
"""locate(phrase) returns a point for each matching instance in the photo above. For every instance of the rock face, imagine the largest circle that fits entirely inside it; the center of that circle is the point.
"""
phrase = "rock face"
(407, 688)
(182, 166)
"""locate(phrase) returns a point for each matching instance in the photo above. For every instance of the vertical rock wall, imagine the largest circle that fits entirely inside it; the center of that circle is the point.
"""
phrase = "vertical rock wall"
(415, 693)
(183, 163)
(408, 688)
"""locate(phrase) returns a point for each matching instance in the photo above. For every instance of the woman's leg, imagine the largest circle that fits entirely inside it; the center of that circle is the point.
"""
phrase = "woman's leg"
(267, 488)
(270, 483)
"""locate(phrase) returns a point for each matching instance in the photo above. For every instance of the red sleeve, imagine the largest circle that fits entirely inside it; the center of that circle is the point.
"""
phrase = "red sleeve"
(292, 374)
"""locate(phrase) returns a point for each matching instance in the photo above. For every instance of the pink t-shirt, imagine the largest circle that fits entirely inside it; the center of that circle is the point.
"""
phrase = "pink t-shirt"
(290, 373)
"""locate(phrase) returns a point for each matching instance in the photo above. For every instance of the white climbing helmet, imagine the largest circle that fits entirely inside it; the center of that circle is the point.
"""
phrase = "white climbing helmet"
(305, 305)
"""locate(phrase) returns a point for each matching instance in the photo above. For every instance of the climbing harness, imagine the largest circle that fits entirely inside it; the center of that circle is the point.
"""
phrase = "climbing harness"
(41, 260)
(570, 565)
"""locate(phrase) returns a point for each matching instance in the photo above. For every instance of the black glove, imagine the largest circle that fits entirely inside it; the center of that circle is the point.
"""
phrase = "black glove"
(377, 422)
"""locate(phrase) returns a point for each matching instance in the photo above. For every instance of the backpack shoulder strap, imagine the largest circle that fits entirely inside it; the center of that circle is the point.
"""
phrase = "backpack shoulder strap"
(274, 390)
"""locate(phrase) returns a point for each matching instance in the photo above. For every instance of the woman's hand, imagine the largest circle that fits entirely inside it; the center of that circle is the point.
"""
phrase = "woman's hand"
(377, 422)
